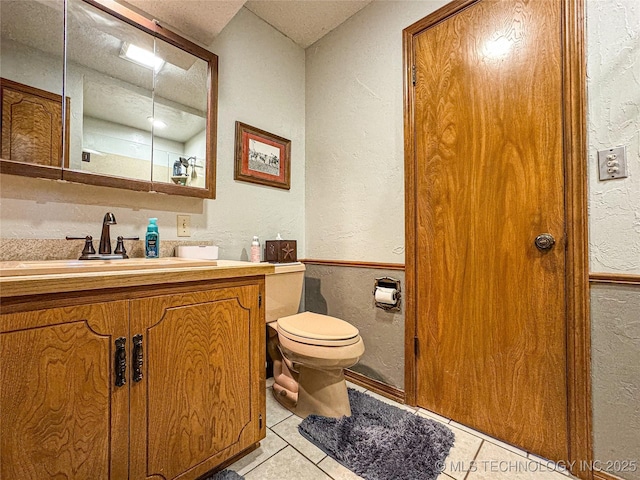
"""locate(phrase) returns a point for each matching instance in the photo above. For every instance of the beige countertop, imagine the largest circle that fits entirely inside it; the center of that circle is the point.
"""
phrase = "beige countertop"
(56, 276)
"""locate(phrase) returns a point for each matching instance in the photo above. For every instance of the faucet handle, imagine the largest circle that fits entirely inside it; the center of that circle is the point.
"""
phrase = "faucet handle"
(88, 245)
(120, 250)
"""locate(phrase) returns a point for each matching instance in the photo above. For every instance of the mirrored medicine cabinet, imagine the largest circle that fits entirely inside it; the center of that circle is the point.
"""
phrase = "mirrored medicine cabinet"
(140, 101)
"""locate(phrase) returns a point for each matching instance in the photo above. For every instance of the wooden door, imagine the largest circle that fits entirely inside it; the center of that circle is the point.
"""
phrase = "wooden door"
(62, 416)
(31, 124)
(198, 402)
(490, 305)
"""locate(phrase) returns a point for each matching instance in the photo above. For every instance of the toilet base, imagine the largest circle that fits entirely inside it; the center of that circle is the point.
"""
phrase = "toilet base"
(320, 392)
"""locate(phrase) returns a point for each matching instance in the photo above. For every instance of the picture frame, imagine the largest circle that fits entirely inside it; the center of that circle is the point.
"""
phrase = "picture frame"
(262, 157)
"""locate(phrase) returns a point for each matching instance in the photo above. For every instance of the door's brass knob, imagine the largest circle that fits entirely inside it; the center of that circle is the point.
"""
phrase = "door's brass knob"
(545, 241)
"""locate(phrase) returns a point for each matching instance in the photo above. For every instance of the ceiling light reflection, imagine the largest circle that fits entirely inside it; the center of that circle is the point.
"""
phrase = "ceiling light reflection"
(498, 47)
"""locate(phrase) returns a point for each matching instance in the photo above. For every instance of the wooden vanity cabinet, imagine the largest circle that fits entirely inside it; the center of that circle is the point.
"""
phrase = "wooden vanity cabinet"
(194, 395)
(198, 402)
(60, 416)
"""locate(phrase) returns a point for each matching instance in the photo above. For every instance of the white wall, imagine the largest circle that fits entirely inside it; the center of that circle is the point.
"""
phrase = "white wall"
(31, 66)
(196, 147)
(354, 124)
(261, 82)
(613, 85)
(126, 151)
(120, 139)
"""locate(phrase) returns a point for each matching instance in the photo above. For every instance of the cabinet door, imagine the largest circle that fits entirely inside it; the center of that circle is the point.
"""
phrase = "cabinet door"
(62, 417)
(200, 400)
(31, 124)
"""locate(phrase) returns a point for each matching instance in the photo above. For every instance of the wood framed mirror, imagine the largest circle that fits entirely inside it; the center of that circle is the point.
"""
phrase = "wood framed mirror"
(140, 108)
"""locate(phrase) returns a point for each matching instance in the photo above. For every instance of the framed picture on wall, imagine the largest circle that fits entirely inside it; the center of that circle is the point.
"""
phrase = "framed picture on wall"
(262, 157)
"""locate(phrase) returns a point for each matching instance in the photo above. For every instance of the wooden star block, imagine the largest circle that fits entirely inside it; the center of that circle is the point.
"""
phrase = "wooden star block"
(281, 251)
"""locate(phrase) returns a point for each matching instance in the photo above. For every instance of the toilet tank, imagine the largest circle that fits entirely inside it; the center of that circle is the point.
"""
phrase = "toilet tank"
(283, 290)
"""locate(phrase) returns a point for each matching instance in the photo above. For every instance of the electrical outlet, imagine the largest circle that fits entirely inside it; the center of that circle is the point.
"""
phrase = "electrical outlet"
(184, 225)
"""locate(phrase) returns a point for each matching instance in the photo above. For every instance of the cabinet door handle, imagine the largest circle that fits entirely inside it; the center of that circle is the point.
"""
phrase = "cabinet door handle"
(138, 357)
(121, 362)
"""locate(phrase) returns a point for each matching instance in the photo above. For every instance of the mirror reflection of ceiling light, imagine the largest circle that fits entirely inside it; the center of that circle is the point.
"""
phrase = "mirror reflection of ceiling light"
(140, 56)
(156, 123)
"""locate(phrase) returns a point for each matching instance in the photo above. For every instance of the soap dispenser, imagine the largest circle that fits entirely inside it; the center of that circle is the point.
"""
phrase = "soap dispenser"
(255, 250)
(152, 240)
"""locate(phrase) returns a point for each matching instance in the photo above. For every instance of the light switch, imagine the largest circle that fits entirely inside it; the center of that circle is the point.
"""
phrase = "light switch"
(612, 163)
(184, 225)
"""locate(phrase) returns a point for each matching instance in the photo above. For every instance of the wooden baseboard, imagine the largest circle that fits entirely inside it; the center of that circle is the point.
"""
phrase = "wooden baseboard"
(616, 278)
(375, 386)
(599, 475)
(348, 263)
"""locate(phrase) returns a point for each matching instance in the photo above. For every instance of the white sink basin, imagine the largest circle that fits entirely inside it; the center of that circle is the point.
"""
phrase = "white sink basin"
(51, 267)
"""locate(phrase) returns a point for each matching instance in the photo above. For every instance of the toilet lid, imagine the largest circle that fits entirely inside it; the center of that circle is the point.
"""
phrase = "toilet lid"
(315, 329)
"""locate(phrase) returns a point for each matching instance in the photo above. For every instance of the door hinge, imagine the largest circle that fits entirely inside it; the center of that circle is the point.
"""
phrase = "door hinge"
(413, 75)
(415, 345)
(259, 300)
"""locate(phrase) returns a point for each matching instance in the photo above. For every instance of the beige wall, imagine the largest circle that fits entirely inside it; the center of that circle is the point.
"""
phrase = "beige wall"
(354, 123)
(261, 82)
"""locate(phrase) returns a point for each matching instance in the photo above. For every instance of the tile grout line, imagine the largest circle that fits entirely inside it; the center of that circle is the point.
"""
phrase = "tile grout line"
(316, 464)
(466, 477)
(278, 423)
(266, 459)
(304, 457)
(270, 456)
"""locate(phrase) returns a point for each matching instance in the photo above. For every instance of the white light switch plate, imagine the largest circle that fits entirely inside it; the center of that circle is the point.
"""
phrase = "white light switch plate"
(612, 163)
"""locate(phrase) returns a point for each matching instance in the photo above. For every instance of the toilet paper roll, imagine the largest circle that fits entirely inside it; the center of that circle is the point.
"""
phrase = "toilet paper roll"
(386, 295)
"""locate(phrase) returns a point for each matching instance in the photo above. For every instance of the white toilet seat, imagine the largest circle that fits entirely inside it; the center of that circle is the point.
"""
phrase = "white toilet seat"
(319, 330)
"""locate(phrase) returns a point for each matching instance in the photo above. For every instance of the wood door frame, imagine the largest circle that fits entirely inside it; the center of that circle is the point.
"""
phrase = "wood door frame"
(578, 329)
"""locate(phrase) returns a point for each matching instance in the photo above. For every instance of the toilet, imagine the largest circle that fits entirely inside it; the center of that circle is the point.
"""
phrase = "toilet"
(309, 351)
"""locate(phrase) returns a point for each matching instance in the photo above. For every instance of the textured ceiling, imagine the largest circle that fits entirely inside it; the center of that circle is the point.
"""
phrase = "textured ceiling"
(200, 20)
(305, 21)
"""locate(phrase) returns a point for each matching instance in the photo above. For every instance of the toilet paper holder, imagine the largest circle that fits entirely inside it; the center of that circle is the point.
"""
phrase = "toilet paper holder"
(388, 283)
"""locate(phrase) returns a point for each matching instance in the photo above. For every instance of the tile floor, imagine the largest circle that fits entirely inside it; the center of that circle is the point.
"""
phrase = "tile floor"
(284, 454)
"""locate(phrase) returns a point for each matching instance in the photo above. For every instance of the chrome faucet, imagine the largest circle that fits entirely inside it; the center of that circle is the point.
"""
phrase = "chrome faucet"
(105, 237)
